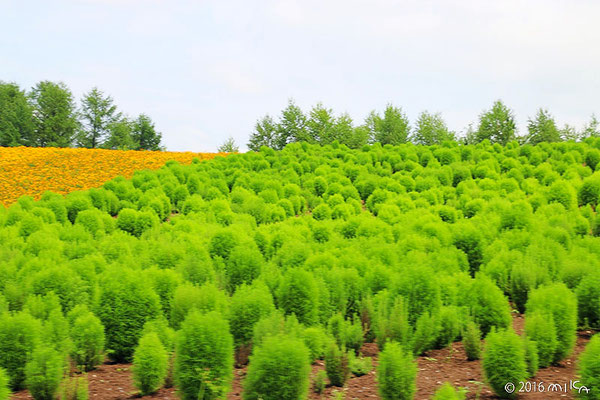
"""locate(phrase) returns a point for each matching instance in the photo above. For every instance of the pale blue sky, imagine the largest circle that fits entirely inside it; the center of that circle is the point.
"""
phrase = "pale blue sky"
(207, 70)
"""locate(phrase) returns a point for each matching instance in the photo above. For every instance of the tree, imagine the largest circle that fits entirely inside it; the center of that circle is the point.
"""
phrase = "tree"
(16, 118)
(592, 128)
(119, 136)
(97, 114)
(228, 146)
(347, 134)
(569, 132)
(265, 134)
(431, 129)
(292, 126)
(144, 134)
(542, 128)
(320, 124)
(497, 125)
(54, 114)
(393, 128)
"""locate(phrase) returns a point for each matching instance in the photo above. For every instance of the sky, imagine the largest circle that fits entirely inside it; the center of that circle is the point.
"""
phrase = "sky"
(208, 70)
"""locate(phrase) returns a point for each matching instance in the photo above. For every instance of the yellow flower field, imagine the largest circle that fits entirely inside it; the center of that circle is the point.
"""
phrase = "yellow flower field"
(34, 170)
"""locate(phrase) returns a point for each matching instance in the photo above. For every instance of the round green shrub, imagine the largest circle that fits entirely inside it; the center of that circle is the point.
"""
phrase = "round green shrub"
(126, 220)
(487, 304)
(279, 370)
(87, 334)
(317, 340)
(558, 301)
(4, 389)
(425, 334)
(448, 392)
(589, 191)
(589, 369)
(125, 303)
(321, 212)
(588, 301)
(298, 294)
(44, 372)
(471, 339)
(19, 334)
(448, 326)
(74, 388)
(504, 361)
(204, 299)
(243, 266)
(540, 327)
(248, 305)
(531, 356)
(150, 362)
(396, 373)
(336, 365)
(204, 357)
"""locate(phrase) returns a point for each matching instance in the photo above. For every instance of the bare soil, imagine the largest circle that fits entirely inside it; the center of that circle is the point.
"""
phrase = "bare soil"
(113, 381)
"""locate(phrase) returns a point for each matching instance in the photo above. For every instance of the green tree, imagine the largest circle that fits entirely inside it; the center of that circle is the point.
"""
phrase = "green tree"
(54, 114)
(119, 135)
(265, 134)
(392, 128)
(542, 128)
(144, 134)
(592, 128)
(292, 125)
(431, 129)
(16, 117)
(228, 146)
(497, 124)
(98, 113)
(569, 132)
(320, 125)
(346, 133)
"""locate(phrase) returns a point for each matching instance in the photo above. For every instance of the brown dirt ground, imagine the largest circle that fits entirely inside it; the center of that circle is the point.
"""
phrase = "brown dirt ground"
(113, 381)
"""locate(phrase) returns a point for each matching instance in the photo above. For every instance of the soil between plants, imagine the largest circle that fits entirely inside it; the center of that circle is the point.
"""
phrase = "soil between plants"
(113, 381)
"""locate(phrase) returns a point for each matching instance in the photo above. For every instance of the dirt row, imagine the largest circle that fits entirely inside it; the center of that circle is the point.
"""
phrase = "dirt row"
(113, 381)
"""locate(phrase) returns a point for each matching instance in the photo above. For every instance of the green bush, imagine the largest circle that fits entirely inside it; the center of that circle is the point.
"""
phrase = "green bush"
(19, 334)
(44, 372)
(588, 301)
(558, 301)
(589, 369)
(359, 366)
(279, 370)
(4, 389)
(540, 327)
(320, 382)
(336, 365)
(204, 299)
(425, 334)
(504, 361)
(150, 362)
(531, 356)
(204, 357)
(448, 392)
(74, 388)
(487, 304)
(396, 373)
(448, 326)
(471, 339)
(87, 334)
(243, 266)
(298, 294)
(317, 341)
(125, 303)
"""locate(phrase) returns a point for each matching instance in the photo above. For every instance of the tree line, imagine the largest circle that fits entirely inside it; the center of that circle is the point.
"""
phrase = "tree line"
(322, 126)
(49, 116)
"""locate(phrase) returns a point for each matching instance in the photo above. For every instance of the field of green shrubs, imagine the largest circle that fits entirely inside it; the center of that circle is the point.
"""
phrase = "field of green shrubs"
(275, 259)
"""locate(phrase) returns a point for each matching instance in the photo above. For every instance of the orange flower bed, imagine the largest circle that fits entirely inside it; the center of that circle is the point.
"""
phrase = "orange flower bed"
(34, 170)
